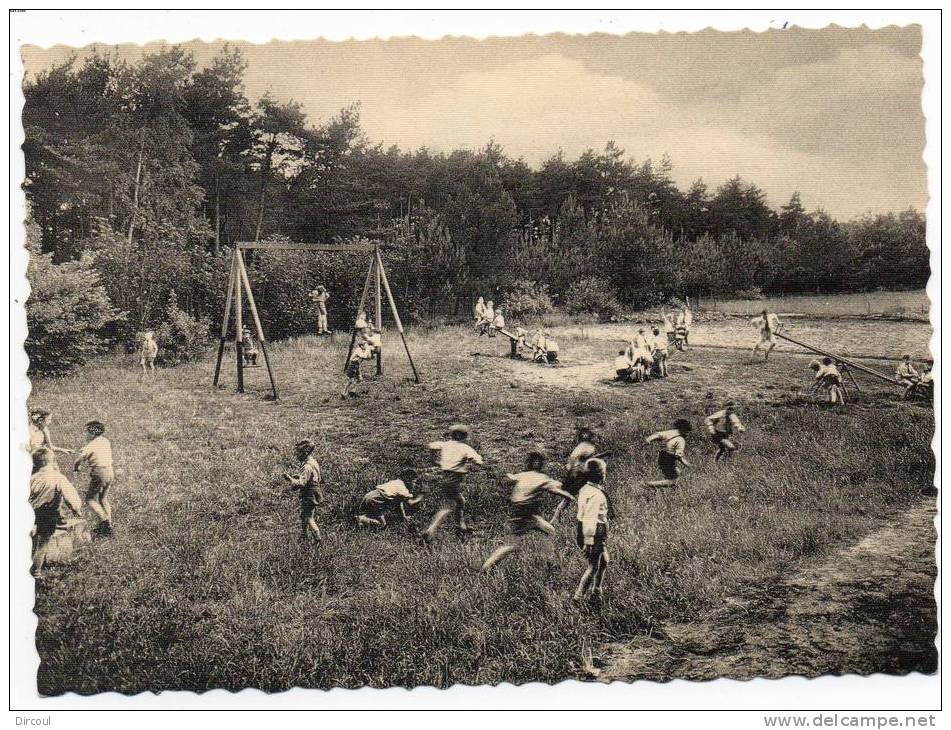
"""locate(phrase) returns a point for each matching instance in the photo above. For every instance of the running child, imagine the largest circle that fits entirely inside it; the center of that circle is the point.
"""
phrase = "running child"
(671, 457)
(388, 497)
(722, 425)
(307, 483)
(525, 505)
(592, 530)
(454, 458)
(97, 453)
(575, 469)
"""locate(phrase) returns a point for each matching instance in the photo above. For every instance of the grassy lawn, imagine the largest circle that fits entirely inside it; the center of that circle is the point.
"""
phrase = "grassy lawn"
(207, 585)
(899, 304)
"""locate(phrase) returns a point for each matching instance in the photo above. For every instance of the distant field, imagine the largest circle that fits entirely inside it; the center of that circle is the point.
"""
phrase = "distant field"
(207, 585)
(913, 304)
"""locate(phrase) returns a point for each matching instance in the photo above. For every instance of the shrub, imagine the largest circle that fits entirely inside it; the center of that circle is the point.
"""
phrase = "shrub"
(181, 337)
(754, 294)
(67, 312)
(527, 299)
(593, 295)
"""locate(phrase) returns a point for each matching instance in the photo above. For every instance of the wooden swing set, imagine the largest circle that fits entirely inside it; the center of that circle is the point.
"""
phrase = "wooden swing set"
(239, 287)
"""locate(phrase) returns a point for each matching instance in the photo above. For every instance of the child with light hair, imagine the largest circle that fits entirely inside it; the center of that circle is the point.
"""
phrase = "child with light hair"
(592, 530)
(498, 322)
(97, 454)
(660, 354)
(479, 310)
(829, 379)
(721, 426)
(388, 497)
(907, 375)
(769, 325)
(148, 352)
(526, 502)
(671, 458)
(306, 481)
(454, 456)
(51, 494)
(484, 325)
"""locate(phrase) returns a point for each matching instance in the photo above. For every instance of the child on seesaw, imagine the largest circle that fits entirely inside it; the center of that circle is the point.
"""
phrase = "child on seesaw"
(388, 497)
(671, 457)
(829, 379)
(307, 482)
(526, 502)
(623, 368)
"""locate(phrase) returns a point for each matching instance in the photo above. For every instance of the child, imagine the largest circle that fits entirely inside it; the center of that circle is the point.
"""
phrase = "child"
(592, 531)
(361, 323)
(907, 375)
(623, 367)
(387, 497)
(769, 325)
(488, 317)
(307, 481)
(575, 469)
(98, 454)
(320, 295)
(50, 492)
(148, 352)
(526, 503)
(660, 353)
(671, 457)
(640, 341)
(498, 322)
(684, 322)
(521, 337)
(40, 420)
(721, 426)
(360, 353)
(829, 377)
(540, 347)
(454, 458)
(374, 340)
(479, 311)
(551, 349)
(249, 348)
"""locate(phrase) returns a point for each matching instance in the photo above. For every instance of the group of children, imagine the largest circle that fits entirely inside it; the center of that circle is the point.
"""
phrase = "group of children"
(52, 495)
(585, 484)
(645, 356)
(541, 346)
(367, 343)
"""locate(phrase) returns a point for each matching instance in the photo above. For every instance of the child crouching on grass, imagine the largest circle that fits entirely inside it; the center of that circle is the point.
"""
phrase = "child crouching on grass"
(97, 453)
(388, 497)
(526, 504)
(592, 531)
(307, 482)
(671, 457)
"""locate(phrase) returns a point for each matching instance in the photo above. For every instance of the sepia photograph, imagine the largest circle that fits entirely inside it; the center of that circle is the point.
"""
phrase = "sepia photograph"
(426, 360)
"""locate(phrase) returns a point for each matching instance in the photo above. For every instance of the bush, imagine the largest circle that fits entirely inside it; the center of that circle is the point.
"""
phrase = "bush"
(527, 299)
(66, 314)
(181, 338)
(753, 294)
(593, 295)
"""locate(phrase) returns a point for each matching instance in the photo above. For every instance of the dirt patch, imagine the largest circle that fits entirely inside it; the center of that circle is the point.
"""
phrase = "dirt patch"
(867, 608)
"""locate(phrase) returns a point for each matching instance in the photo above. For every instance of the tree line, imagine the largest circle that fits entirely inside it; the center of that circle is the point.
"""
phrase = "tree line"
(150, 171)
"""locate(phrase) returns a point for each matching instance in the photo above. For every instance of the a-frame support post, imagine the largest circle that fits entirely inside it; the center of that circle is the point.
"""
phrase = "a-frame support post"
(238, 323)
(243, 272)
(396, 315)
(225, 318)
(360, 307)
(379, 307)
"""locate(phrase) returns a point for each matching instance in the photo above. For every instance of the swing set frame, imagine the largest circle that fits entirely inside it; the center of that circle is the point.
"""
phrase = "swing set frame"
(239, 286)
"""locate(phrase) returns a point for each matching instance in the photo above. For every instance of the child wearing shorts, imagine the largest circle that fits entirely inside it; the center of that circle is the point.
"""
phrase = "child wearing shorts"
(307, 482)
(671, 457)
(97, 453)
(721, 426)
(388, 497)
(592, 529)
(454, 457)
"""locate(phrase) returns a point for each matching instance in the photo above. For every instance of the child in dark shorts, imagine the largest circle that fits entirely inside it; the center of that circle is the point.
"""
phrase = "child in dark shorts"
(671, 457)
(576, 471)
(307, 482)
(97, 454)
(525, 505)
(592, 529)
(388, 497)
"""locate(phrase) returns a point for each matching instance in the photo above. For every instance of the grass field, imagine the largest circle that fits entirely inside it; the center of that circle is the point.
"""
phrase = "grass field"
(207, 585)
(898, 304)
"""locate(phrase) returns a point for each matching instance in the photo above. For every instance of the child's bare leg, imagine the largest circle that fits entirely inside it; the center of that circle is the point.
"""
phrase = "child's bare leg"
(312, 530)
(769, 349)
(559, 509)
(106, 506)
(662, 483)
(94, 504)
(370, 521)
(496, 556)
(600, 571)
(440, 516)
(39, 555)
(543, 525)
(461, 513)
(584, 583)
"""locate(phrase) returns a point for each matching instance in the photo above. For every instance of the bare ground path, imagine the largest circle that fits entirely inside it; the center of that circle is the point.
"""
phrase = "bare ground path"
(866, 608)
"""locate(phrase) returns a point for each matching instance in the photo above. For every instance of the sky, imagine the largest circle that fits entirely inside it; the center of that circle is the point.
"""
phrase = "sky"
(833, 113)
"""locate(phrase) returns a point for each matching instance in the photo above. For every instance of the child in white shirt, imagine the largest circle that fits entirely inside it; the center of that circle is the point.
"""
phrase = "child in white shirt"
(721, 426)
(360, 353)
(592, 530)
(148, 352)
(97, 453)
(660, 353)
(307, 482)
(768, 324)
(388, 497)
(454, 457)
